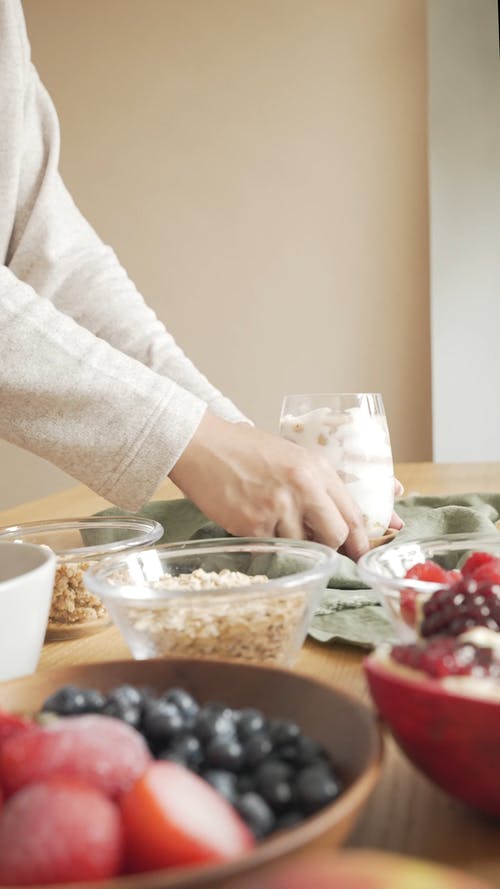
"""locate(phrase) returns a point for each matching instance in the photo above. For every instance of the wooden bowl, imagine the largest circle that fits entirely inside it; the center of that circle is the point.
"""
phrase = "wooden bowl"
(57, 632)
(346, 728)
(385, 538)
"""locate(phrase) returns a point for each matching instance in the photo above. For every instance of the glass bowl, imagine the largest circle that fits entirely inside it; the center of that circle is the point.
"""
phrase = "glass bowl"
(384, 570)
(196, 599)
(79, 543)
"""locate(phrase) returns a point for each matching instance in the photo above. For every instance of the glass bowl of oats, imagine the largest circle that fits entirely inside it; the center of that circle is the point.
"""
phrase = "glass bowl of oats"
(233, 598)
(79, 544)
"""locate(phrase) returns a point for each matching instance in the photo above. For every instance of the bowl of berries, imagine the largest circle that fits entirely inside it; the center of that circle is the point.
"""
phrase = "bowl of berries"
(182, 773)
(406, 576)
(438, 688)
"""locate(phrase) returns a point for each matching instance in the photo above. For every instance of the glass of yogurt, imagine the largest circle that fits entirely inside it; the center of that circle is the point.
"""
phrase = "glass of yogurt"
(350, 431)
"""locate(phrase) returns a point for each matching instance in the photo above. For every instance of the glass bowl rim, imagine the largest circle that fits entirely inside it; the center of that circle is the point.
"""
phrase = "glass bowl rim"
(150, 531)
(447, 542)
(329, 394)
(101, 586)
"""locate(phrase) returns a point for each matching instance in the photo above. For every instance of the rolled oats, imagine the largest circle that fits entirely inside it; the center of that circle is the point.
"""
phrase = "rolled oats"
(262, 626)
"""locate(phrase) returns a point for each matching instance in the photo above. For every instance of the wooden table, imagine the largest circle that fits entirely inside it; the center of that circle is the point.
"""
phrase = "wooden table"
(406, 813)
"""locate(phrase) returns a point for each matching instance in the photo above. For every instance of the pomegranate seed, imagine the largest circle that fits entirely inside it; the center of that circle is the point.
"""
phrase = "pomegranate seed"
(460, 607)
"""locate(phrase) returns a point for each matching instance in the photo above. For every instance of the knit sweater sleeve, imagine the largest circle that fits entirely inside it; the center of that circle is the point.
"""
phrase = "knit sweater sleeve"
(89, 377)
(70, 397)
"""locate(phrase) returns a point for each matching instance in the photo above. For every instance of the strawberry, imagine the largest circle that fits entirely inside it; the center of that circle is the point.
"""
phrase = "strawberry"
(174, 818)
(453, 576)
(408, 607)
(488, 572)
(59, 831)
(98, 750)
(428, 571)
(475, 561)
(10, 723)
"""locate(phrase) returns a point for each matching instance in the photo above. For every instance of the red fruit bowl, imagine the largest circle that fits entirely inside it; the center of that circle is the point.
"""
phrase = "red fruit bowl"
(453, 738)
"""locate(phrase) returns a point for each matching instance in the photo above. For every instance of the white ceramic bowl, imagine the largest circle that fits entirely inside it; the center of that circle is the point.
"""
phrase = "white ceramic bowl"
(26, 582)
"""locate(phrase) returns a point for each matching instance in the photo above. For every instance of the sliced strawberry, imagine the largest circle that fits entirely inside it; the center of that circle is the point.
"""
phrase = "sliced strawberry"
(98, 750)
(488, 572)
(59, 831)
(10, 723)
(174, 818)
(428, 571)
(453, 576)
(475, 561)
(408, 607)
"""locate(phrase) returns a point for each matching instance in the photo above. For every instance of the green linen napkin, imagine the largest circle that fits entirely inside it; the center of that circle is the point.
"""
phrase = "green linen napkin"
(349, 612)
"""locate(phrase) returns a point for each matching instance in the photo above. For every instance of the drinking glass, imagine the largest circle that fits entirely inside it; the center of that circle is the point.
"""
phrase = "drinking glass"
(350, 430)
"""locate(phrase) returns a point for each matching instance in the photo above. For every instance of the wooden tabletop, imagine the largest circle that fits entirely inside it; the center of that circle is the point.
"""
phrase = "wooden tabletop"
(406, 813)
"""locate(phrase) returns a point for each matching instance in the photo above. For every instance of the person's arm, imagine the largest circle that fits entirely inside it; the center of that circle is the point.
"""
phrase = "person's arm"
(108, 415)
(56, 251)
(70, 397)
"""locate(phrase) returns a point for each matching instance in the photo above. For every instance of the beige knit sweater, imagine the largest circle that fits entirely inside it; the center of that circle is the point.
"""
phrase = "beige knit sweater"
(89, 377)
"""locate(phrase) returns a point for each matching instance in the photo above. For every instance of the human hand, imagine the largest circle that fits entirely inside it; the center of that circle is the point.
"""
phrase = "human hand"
(396, 523)
(255, 484)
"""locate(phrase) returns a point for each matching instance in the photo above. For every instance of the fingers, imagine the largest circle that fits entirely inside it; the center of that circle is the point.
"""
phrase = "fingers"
(398, 488)
(323, 508)
(356, 542)
(396, 522)
(290, 526)
(325, 523)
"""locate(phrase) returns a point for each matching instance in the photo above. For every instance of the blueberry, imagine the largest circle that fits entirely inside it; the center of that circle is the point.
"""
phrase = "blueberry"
(223, 782)
(67, 701)
(283, 731)
(94, 700)
(309, 751)
(125, 702)
(161, 722)
(184, 702)
(289, 819)
(256, 813)
(280, 795)
(225, 753)
(289, 753)
(250, 722)
(214, 721)
(316, 787)
(272, 771)
(189, 748)
(126, 696)
(126, 712)
(302, 752)
(257, 749)
(246, 783)
(273, 781)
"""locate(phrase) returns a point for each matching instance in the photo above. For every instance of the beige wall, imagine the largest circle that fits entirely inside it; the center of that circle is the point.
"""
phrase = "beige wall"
(260, 168)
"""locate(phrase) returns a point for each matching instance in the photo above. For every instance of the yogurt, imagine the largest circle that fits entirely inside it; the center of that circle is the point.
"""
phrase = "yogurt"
(357, 445)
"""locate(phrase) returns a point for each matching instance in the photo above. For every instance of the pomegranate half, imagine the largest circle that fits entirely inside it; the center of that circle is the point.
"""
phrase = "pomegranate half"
(453, 738)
